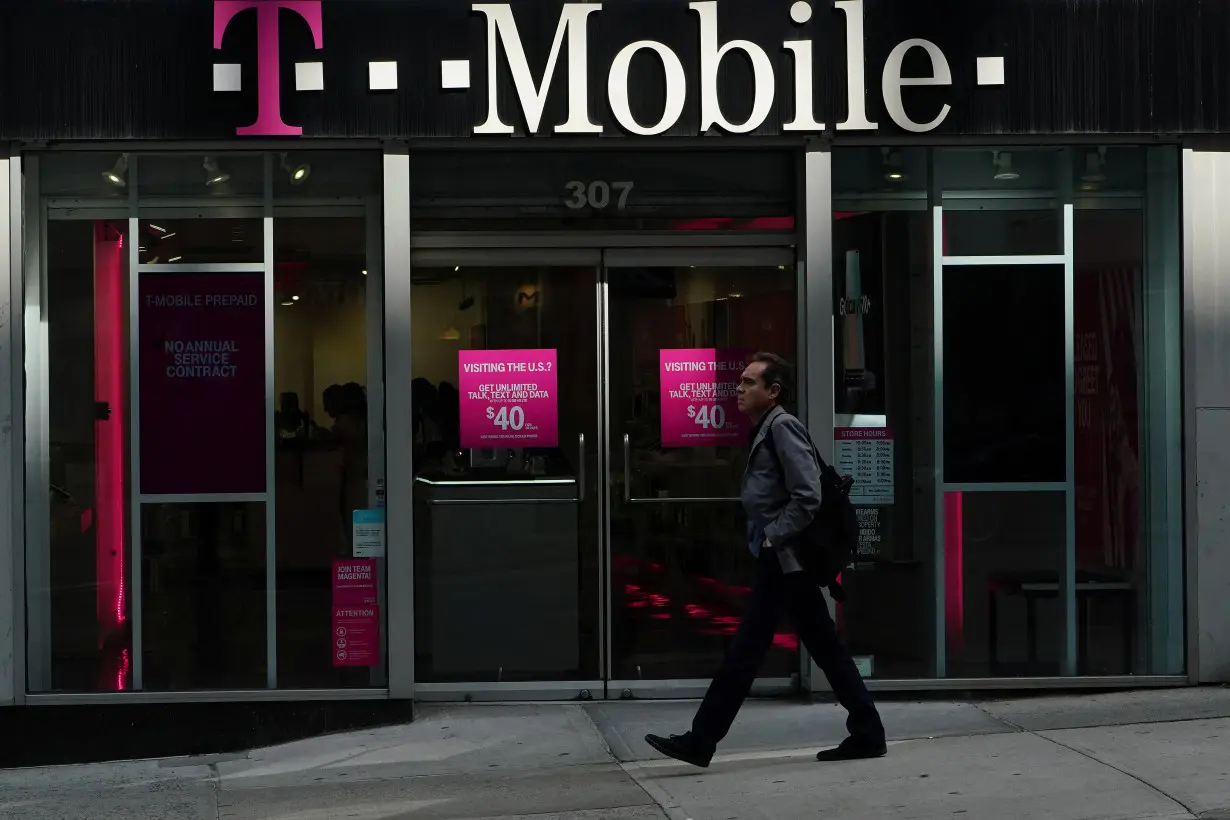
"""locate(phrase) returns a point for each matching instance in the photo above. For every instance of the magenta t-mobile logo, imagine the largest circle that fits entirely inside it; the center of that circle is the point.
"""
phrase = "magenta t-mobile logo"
(308, 76)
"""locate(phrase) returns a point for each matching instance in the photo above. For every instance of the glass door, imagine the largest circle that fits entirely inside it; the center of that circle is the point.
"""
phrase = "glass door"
(506, 384)
(679, 328)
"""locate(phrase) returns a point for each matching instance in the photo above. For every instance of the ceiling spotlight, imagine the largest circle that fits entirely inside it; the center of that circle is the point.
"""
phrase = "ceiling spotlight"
(1002, 161)
(365, 273)
(1095, 166)
(294, 298)
(296, 173)
(287, 303)
(894, 165)
(175, 258)
(117, 174)
(214, 175)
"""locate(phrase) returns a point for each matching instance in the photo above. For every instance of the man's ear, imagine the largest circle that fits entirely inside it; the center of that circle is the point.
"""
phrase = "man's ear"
(775, 392)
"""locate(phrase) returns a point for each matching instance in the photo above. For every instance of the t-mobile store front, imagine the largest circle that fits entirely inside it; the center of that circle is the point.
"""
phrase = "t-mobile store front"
(386, 350)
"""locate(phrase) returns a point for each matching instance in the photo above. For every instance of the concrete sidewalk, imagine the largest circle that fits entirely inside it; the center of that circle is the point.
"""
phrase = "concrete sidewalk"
(1123, 756)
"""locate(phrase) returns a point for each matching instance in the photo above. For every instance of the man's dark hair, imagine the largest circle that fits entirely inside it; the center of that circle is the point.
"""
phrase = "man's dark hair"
(776, 371)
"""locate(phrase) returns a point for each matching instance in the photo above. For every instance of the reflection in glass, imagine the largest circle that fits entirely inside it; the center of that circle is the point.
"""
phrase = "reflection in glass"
(203, 607)
(1108, 457)
(681, 571)
(321, 421)
(1002, 233)
(200, 176)
(1005, 401)
(200, 241)
(1003, 564)
(506, 553)
(880, 298)
(80, 635)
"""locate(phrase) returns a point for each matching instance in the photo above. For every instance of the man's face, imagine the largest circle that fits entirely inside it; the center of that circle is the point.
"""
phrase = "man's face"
(754, 397)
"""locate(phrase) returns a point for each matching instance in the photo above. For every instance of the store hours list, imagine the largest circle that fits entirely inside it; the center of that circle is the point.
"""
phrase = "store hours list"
(866, 455)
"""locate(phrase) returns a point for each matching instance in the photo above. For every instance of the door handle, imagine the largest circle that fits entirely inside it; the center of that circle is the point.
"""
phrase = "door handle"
(628, 485)
(580, 467)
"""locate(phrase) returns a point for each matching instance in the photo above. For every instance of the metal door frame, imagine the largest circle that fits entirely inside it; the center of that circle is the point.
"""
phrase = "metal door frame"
(737, 257)
(550, 690)
(601, 254)
(1067, 576)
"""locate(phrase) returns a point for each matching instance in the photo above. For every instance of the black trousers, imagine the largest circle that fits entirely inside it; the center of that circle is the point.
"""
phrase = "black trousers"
(772, 593)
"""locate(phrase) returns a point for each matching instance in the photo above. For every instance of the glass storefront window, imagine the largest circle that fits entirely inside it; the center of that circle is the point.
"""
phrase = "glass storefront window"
(200, 175)
(321, 457)
(680, 566)
(506, 551)
(1022, 526)
(206, 512)
(527, 604)
(200, 241)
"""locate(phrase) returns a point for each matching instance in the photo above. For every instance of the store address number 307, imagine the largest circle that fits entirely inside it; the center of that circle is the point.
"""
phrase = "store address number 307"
(597, 195)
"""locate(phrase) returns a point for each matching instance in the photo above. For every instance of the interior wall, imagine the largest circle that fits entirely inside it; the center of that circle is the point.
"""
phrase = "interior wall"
(317, 345)
(434, 315)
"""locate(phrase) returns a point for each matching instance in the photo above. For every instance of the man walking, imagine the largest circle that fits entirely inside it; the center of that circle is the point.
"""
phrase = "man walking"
(781, 495)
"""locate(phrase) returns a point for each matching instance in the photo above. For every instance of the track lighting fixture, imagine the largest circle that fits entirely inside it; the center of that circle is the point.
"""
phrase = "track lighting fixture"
(214, 175)
(117, 174)
(894, 165)
(1002, 162)
(296, 173)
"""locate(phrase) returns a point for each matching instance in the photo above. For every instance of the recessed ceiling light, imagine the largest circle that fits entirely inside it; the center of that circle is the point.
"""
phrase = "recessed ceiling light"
(158, 228)
(175, 258)
(166, 236)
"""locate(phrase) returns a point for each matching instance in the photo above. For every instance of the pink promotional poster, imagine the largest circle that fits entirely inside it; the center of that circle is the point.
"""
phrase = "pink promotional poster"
(356, 635)
(202, 383)
(508, 398)
(354, 582)
(699, 403)
(356, 617)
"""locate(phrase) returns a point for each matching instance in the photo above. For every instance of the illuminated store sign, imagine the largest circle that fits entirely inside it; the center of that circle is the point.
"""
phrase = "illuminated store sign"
(687, 81)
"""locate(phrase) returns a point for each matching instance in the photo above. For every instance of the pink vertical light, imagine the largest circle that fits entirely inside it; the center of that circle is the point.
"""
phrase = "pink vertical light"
(109, 474)
(954, 573)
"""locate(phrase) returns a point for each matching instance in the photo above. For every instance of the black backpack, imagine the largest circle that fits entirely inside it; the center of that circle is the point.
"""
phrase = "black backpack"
(829, 543)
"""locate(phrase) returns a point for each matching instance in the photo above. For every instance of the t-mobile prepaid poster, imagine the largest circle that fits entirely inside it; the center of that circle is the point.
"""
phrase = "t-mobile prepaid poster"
(508, 398)
(699, 400)
(201, 362)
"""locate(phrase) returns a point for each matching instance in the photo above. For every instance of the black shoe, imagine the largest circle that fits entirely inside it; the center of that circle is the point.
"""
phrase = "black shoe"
(853, 749)
(682, 747)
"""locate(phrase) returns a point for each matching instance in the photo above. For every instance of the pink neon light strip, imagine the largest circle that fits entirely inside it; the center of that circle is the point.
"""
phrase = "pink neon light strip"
(954, 573)
(109, 475)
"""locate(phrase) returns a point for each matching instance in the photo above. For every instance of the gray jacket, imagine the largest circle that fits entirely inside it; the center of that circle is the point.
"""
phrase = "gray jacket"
(781, 494)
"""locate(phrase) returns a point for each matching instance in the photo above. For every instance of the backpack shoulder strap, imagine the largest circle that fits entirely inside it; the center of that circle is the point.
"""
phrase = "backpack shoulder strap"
(815, 451)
